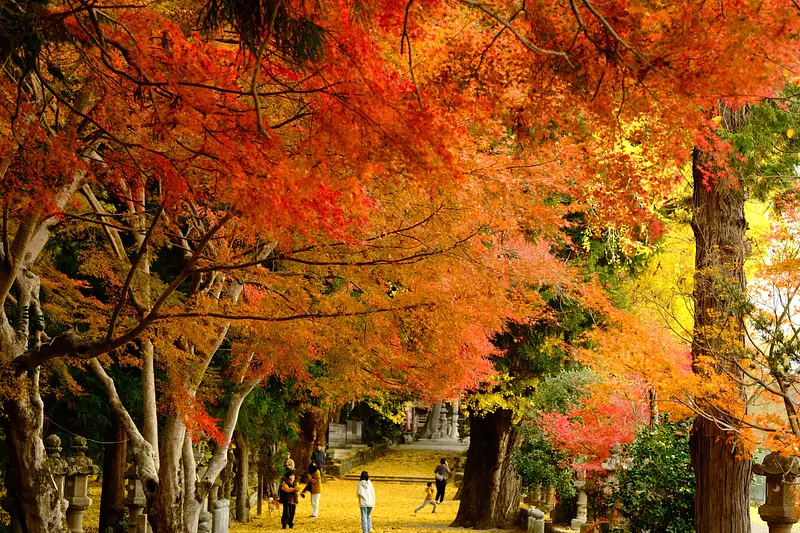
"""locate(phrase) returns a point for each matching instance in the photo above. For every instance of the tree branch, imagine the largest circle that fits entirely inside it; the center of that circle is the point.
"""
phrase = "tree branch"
(528, 44)
(290, 318)
(131, 272)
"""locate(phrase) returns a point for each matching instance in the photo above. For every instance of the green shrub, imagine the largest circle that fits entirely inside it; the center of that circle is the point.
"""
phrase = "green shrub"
(657, 489)
(539, 463)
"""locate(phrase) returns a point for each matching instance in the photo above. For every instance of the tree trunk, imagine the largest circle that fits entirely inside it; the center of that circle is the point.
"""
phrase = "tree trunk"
(260, 491)
(491, 488)
(432, 423)
(167, 511)
(240, 482)
(36, 502)
(312, 429)
(722, 475)
(112, 508)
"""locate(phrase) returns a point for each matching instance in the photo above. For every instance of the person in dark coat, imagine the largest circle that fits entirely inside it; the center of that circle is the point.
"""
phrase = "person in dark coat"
(288, 497)
(318, 457)
(442, 473)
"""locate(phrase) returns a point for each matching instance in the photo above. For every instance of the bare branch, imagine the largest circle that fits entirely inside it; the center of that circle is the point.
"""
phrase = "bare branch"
(131, 272)
(528, 44)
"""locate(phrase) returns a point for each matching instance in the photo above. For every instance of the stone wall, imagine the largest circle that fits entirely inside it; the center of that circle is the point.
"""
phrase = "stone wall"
(356, 458)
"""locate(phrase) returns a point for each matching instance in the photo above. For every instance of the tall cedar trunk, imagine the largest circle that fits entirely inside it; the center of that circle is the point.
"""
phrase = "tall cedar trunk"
(491, 488)
(37, 505)
(167, 511)
(112, 508)
(722, 475)
(432, 423)
(312, 429)
(240, 482)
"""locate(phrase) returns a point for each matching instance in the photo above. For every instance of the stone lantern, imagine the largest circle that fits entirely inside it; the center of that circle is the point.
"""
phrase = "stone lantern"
(76, 490)
(535, 521)
(549, 499)
(583, 500)
(779, 511)
(612, 466)
(57, 466)
(135, 501)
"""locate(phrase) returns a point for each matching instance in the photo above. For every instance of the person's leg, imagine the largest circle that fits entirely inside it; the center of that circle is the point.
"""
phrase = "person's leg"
(285, 515)
(369, 518)
(364, 520)
(424, 503)
(435, 505)
(292, 509)
(444, 487)
(315, 504)
(439, 490)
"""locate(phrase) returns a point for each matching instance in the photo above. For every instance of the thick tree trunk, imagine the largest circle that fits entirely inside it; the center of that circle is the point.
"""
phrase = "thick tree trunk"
(112, 508)
(167, 511)
(722, 474)
(722, 481)
(312, 429)
(491, 489)
(240, 482)
(36, 501)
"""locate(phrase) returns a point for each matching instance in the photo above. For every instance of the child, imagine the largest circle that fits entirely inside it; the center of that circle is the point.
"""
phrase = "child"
(429, 498)
(288, 497)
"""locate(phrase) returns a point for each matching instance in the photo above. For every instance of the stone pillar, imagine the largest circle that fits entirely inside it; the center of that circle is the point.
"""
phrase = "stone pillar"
(76, 489)
(222, 515)
(57, 466)
(213, 494)
(779, 511)
(454, 422)
(135, 501)
(443, 423)
(580, 518)
(549, 499)
(535, 521)
(612, 466)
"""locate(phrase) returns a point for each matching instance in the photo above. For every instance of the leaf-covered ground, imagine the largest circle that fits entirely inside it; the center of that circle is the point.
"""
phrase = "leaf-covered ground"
(395, 502)
(416, 463)
(393, 512)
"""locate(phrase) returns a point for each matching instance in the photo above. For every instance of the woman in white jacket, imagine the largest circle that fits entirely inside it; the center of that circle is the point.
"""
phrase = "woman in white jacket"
(366, 500)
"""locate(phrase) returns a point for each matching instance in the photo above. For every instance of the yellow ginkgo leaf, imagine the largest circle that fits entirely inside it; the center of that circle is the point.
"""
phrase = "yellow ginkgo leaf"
(716, 120)
(786, 73)
(790, 133)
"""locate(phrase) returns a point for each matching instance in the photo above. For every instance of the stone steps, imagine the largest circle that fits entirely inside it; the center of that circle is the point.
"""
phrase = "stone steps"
(390, 479)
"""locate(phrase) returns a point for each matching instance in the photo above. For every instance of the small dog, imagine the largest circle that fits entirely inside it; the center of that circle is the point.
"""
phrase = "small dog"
(273, 505)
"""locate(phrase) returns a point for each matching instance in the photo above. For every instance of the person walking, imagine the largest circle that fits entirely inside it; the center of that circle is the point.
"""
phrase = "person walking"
(318, 458)
(441, 473)
(429, 499)
(314, 486)
(288, 498)
(366, 500)
(289, 463)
